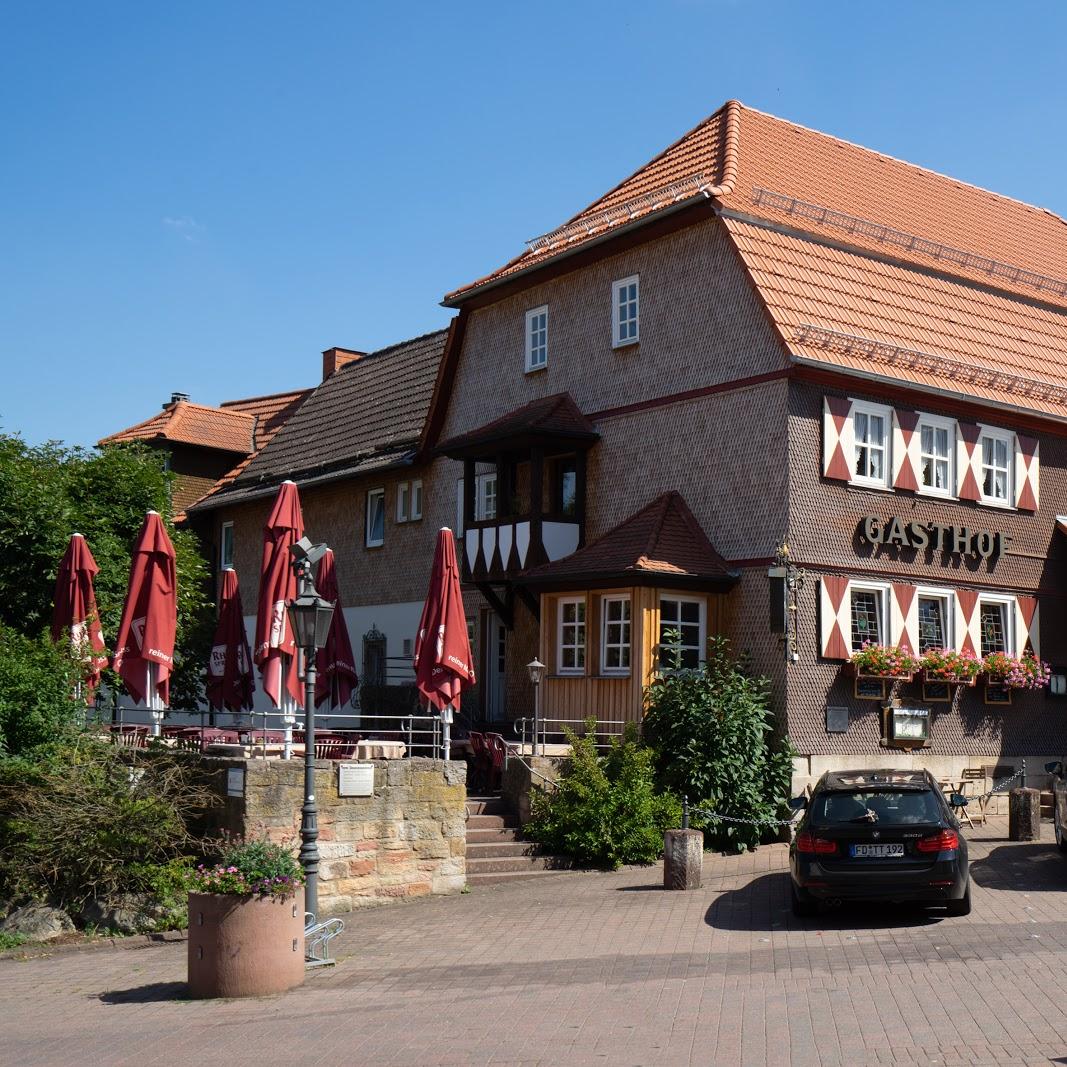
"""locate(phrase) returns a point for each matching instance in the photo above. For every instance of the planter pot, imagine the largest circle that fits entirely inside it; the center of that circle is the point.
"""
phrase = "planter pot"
(245, 946)
(932, 679)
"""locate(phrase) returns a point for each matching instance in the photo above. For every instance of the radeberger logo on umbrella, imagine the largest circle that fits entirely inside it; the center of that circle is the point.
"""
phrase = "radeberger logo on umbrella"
(217, 664)
(277, 624)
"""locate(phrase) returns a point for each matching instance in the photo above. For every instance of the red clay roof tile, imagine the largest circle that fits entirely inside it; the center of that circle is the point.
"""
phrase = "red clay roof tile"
(193, 424)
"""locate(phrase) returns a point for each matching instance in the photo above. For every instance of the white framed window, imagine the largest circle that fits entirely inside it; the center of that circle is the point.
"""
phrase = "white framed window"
(537, 338)
(871, 425)
(936, 614)
(996, 456)
(681, 628)
(996, 624)
(415, 510)
(571, 643)
(868, 614)
(937, 455)
(403, 501)
(485, 496)
(625, 311)
(226, 547)
(615, 635)
(375, 530)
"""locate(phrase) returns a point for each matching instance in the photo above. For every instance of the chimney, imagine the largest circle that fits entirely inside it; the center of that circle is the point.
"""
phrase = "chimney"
(174, 398)
(333, 359)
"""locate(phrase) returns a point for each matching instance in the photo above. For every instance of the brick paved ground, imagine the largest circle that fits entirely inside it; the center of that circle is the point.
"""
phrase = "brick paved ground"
(604, 969)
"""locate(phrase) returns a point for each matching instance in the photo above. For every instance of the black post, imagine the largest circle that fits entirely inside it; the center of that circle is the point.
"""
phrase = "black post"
(309, 813)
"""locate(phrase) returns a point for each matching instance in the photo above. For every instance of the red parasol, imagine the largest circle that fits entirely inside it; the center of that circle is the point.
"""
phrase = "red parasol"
(335, 663)
(443, 666)
(229, 674)
(75, 610)
(144, 654)
(275, 647)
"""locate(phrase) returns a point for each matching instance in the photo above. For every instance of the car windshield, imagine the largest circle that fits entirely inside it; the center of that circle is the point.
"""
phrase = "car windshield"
(892, 807)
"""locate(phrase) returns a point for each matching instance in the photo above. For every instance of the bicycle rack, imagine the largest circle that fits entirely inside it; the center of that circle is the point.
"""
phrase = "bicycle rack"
(317, 938)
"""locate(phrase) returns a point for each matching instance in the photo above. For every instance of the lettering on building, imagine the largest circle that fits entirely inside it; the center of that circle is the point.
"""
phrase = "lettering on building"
(934, 537)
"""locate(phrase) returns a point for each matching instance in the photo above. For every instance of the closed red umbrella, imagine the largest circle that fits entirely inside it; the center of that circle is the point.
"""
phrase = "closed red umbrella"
(144, 655)
(230, 683)
(275, 651)
(75, 613)
(443, 665)
(335, 663)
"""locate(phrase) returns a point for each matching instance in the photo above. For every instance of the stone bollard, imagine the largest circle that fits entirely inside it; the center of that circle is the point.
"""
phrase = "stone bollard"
(683, 859)
(1024, 815)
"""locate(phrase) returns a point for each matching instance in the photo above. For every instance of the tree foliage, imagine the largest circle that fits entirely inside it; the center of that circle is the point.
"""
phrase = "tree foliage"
(713, 733)
(605, 810)
(49, 492)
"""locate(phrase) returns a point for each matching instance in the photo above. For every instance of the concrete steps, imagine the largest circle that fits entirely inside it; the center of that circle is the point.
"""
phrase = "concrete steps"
(495, 852)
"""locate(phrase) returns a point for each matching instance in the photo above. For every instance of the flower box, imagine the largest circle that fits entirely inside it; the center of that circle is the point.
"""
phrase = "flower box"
(867, 675)
(936, 679)
(887, 663)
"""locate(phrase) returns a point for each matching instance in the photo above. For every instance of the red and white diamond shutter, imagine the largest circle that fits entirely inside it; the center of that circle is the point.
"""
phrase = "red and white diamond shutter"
(838, 440)
(1027, 629)
(905, 449)
(834, 617)
(1027, 469)
(903, 616)
(967, 629)
(968, 461)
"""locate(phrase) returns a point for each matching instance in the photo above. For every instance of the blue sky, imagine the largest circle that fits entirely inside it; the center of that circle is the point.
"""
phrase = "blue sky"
(203, 196)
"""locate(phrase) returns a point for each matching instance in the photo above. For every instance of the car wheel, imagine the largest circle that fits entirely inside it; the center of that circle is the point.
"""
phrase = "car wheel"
(803, 906)
(1061, 839)
(963, 905)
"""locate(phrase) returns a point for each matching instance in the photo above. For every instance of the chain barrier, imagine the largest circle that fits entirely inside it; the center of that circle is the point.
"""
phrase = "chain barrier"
(687, 811)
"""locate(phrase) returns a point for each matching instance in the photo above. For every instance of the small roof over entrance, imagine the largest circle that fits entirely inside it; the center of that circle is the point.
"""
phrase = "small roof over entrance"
(552, 421)
(662, 544)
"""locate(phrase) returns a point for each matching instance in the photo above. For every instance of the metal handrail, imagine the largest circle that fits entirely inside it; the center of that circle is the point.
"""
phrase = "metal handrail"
(522, 726)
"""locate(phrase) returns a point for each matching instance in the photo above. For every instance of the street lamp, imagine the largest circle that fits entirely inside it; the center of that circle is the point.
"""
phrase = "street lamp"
(310, 616)
(537, 670)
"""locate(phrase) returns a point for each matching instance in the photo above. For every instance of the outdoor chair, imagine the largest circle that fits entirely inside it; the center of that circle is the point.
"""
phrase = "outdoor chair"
(481, 761)
(995, 774)
(334, 748)
(498, 749)
(130, 736)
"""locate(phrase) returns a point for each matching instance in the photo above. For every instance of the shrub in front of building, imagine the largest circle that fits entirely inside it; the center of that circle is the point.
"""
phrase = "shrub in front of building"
(713, 735)
(605, 810)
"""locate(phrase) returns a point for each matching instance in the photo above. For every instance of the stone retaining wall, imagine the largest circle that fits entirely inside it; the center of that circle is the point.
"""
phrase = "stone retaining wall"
(407, 840)
(522, 776)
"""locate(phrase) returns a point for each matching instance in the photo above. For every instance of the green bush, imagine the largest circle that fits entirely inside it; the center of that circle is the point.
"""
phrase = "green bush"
(37, 706)
(605, 810)
(93, 821)
(713, 734)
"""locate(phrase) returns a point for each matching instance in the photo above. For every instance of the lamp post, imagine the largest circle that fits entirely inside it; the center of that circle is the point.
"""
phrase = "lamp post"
(310, 616)
(537, 670)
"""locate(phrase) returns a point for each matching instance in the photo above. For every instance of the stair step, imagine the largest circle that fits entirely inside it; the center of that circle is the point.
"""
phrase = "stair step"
(480, 850)
(487, 806)
(501, 877)
(491, 822)
(508, 864)
(500, 836)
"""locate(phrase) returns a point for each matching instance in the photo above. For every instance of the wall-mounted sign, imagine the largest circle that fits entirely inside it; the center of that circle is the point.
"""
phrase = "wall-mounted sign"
(907, 726)
(355, 779)
(933, 537)
(235, 782)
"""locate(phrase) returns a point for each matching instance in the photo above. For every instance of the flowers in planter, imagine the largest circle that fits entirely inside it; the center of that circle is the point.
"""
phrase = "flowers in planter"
(947, 665)
(884, 661)
(251, 868)
(1024, 672)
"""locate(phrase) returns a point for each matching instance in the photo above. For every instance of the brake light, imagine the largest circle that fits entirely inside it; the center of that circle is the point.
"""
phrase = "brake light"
(816, 845)
(946, 841)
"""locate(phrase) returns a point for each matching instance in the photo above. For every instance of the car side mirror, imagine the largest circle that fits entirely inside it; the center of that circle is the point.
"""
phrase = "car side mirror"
(798, 803)
(958, 800)
(1055, 767)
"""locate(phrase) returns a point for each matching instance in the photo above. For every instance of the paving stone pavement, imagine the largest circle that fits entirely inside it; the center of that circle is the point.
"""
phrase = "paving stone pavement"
(592, 968)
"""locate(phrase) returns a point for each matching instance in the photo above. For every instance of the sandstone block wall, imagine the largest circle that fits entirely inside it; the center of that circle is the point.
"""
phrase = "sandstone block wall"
(407, 840)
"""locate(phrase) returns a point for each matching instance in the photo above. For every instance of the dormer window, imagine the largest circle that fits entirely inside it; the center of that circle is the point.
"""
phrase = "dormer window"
(537, 339)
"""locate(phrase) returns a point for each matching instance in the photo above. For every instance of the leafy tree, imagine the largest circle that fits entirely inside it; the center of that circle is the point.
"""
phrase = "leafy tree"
(713, 734)
(50, 491)
(605, 809)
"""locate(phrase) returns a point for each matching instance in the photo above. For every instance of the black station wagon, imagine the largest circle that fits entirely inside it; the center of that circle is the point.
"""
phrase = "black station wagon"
(878, 835)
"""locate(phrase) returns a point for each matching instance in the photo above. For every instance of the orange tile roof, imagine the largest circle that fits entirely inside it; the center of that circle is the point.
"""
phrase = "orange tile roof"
(269, 411)
(193, 424)
(756, 164)
(662, 541)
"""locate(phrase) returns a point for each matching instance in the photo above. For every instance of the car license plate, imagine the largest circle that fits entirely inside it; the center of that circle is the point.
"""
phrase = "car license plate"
(875, 852)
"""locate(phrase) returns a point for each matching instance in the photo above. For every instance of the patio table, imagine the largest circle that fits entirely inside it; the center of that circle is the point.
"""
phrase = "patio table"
(371, 749)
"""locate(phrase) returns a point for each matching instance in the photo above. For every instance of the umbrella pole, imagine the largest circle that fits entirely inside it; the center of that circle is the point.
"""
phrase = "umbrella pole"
(446, 722)
(288, 706)
(152, 699)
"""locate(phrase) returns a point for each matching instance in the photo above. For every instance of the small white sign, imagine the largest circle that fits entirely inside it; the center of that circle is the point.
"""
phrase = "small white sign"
(355, 779)
(235, 782)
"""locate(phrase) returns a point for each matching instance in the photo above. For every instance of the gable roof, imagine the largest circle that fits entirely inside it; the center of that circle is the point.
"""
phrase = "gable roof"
(194, 424)
(662, 544)
(555, 417)
(865, 263)
(269, 411)
(366, 416)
